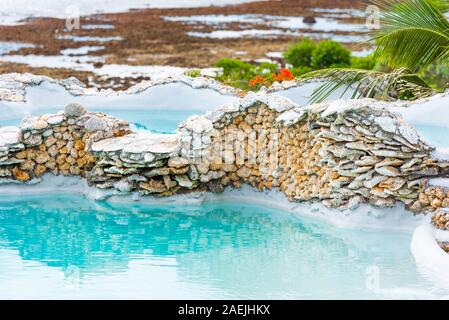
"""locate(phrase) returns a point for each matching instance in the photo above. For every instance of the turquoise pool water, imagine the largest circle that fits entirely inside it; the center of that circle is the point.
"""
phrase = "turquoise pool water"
(157, 120)
(66, 246)
(437, 136)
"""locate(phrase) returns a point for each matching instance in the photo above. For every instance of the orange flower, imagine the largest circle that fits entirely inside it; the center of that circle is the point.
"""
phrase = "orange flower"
(286, 74)
(257, 80)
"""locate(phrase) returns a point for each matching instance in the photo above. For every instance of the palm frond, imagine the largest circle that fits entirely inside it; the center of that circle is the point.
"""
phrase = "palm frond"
(413, 33)
(368, 83)
(442, 5)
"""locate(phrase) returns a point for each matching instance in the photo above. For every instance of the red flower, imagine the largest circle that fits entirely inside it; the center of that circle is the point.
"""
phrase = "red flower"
(257, 80)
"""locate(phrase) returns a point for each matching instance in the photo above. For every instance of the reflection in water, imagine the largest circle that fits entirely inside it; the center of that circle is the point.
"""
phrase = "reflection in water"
(226, 250)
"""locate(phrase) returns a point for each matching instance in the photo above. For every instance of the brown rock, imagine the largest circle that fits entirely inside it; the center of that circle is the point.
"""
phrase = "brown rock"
(21, 154)
(41, 157)
(79, 145)
(64, 167)
(70, 160)
(40, 170)
(53, 151)
(27, 165)
(178, 162)
(50, 141)
(20, 175)
(436, 203)
(153, 186)
(51, 164)
(74, 170)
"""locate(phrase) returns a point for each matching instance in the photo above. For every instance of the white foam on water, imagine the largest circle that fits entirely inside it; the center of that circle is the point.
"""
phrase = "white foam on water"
(81, 50)
(87, 38)
(96, 26)
(283, 22)
(8, 46)
(274, 33)
(79, 63)
(431, 259)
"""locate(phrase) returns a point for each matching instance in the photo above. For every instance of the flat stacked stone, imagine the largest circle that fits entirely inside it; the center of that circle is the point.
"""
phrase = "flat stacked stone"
(342, 153)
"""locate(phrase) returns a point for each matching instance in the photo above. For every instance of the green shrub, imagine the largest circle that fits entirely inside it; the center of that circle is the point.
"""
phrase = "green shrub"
(437, 75)
(235, 68)
(300, 54)
(236, 73)
(330, 54)
(194, 73)
(367, 63)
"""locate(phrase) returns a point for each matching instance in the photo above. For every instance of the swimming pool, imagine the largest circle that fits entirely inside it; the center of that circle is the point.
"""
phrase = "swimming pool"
(66, 246)
(435, 135)
(159, 108)
(154, 120)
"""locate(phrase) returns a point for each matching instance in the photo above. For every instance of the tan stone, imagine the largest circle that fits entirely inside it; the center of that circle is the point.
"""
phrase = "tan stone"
(31, 154)
(436, 203)
(40, 170)
(21, 154)
(64, 167)
(40, 125)
(53, 151)
(70, 160)
(60, 143)
(74, 170)
(27, 165)
(51, 164)
(243, 172)
(178, 162)
(20, 175)
(41, 157)
(81, 162)
(79, 145)
(74, 153)
(153, 186)
(51, 140)
(61, 159)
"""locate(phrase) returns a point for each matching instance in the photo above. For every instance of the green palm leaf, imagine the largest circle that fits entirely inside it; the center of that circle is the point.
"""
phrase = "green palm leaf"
(368, 83)
(413, 33)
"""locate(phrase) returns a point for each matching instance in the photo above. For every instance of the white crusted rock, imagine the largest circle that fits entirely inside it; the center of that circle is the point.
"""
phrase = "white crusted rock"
(9, 136)
(388, 171)
(387, 124)
(74, 110)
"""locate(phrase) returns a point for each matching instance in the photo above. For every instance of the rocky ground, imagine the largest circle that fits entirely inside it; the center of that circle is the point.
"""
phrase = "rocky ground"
(148, 39)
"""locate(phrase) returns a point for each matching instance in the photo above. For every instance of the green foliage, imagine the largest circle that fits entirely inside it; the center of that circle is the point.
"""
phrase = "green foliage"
(237, 73)
(300, 53)
(265, 68)
(330, 54)
(399, 83)
(193, 73)
(235, 68)
(326, 54)
(437, 75)
(413, 33)
(412, 42)
(367, 63)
